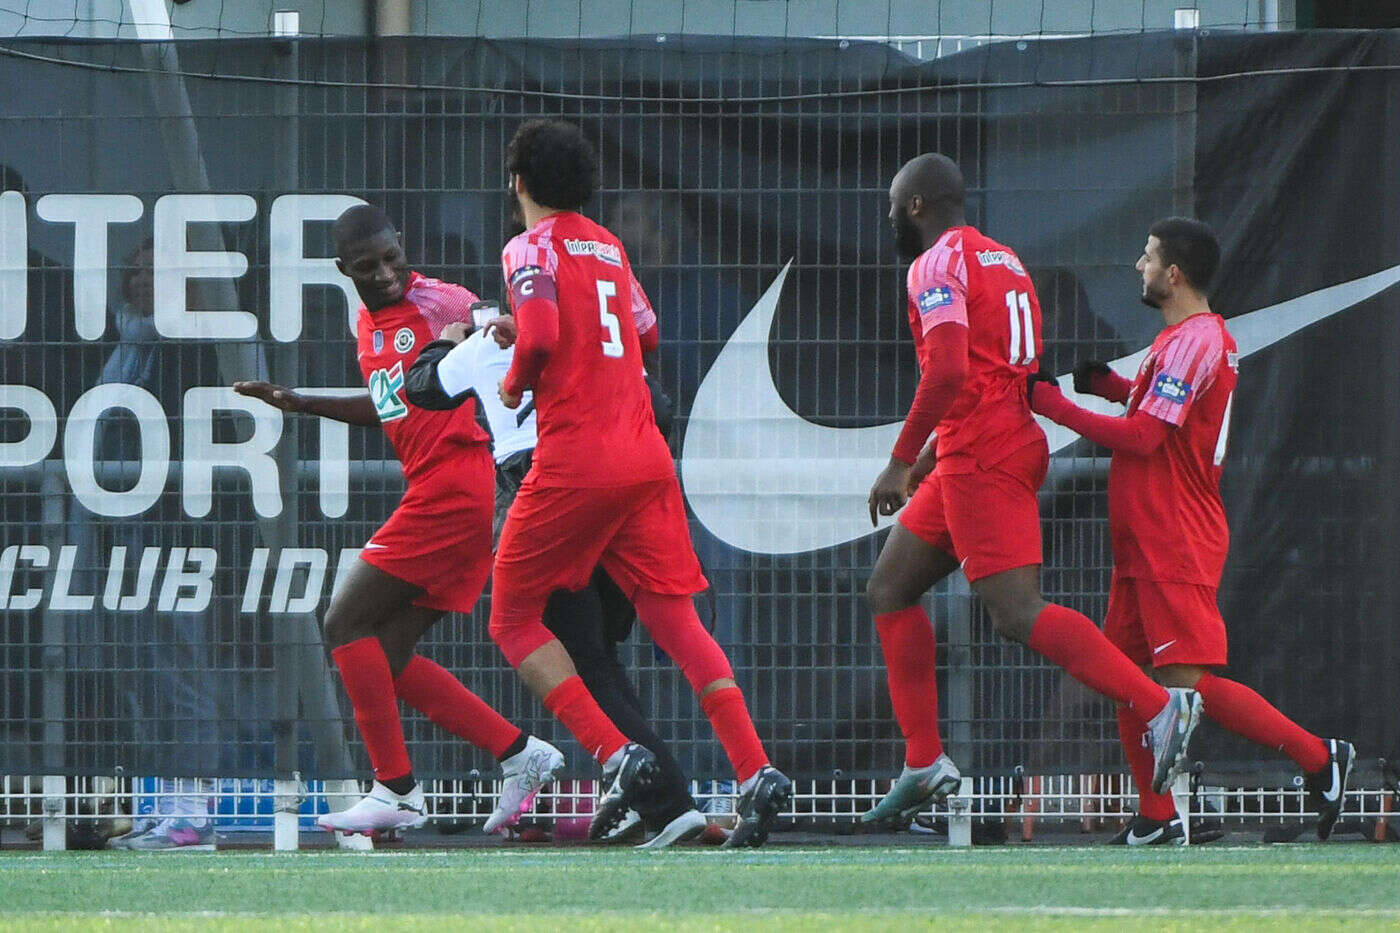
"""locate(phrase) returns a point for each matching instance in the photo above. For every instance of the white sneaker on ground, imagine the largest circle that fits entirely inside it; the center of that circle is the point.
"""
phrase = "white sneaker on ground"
(525, 773)
(170, 835)
(381, 810)
(683, 828)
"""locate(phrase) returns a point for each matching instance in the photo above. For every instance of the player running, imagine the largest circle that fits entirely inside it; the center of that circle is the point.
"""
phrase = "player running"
(431, 557)
(1168, 526)
(602, 489)
(589, 622)
(976, 324)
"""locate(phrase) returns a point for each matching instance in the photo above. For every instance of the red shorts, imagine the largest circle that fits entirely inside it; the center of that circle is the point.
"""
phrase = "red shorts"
(987, 518)
(1165, 623)
(554, 537)
(439, 537)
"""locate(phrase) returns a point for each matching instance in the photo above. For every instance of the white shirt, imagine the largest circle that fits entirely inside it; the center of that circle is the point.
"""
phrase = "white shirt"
(478, 364)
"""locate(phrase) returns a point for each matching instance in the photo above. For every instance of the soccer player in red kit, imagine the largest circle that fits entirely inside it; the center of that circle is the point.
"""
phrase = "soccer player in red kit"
(431, 557)
(602, 488)
(1167, 521)
(976, 323)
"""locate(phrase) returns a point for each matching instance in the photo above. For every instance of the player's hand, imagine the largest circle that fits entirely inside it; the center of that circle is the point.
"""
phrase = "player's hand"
(887, 496)
(928, 459)
(457, 331)
(1041, 391)
(510, 401)
(1086, 372)
(277, 396)
(502, 330)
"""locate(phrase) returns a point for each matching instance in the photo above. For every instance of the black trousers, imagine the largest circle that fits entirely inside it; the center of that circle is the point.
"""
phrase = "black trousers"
(590, 624)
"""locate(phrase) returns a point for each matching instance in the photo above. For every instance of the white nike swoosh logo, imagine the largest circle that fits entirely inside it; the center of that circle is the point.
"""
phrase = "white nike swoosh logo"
(1160, 648)
(1135, 840)
(372, 544)
(762, 478)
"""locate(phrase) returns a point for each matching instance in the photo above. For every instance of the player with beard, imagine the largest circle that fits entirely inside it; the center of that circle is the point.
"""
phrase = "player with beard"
(1168, 526)
(432, 556)
(602, 488)
(972, 494)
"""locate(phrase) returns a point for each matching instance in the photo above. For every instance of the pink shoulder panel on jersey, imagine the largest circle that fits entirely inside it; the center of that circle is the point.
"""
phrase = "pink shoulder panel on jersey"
(441, 303)
(642, 314)
(937, 283)
(534, 247)
(1184, 368)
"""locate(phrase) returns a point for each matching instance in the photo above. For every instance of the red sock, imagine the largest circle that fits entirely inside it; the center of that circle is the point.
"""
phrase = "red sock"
(911, 651)
(1076, 644)
(1133, 730)
(365, 671)
(1246, 713)
(432, 690)
(574, 706)
(729, 715)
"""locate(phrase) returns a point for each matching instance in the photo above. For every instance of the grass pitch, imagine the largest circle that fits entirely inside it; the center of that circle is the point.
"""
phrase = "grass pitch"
(1301, 886)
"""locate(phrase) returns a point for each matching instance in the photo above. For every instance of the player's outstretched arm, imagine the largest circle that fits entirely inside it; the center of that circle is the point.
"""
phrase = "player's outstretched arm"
(354, 409)
(1092, 377)
(1140, 433)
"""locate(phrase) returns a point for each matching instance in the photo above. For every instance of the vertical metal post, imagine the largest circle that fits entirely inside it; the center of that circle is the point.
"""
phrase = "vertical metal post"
(53, 493)
(1184, 137)
(957, 606)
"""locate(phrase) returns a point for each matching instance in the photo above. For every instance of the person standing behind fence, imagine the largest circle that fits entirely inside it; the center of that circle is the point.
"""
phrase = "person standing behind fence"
(431, 557)
(976, 324)
(1168, 526)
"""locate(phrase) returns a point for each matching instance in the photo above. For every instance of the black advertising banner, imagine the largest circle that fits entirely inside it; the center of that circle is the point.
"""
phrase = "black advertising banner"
(167, 546)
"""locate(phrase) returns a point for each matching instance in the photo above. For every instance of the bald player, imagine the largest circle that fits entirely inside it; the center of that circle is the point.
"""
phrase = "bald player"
(971, 489)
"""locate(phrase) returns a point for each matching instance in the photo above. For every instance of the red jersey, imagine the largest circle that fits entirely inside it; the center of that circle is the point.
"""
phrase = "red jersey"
(1165, 514)
(971, 279)
(594, 410)
(389, 341)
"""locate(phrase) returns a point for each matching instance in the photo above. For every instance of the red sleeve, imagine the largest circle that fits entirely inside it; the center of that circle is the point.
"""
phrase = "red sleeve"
(537, 324)
(650, 339)
(945, 368)
(1141, 433)
(1112, 387)
(534, 298)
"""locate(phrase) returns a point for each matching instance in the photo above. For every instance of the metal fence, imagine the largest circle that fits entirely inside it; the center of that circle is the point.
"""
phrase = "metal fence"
(181, 639)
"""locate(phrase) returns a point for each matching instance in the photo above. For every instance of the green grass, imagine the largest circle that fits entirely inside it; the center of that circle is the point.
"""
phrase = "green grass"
(1302, 887)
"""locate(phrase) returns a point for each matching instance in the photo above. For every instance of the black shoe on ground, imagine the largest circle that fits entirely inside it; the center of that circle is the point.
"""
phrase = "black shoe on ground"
(623, 782)
(1327, 789)
(760, 805)
(1144, 832)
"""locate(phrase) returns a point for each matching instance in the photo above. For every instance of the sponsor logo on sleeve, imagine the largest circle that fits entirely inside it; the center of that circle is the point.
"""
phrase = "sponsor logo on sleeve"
(607, 252)
(1171, 388)
(931, 299)
(531, 282)
(523, 273)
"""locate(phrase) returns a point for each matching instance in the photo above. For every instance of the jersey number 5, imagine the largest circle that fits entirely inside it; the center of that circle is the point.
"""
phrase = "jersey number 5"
(612, 344)
(1018, 306)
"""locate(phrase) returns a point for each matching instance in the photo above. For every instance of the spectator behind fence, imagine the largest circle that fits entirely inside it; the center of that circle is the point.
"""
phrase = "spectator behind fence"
(142, 684)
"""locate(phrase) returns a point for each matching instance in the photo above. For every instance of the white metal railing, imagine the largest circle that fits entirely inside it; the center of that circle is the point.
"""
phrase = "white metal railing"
(1024, 806)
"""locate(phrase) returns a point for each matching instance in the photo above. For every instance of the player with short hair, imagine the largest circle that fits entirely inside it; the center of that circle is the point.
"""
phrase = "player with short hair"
(976, 324)
(1167, 521)
(603, 488)
(431, 557)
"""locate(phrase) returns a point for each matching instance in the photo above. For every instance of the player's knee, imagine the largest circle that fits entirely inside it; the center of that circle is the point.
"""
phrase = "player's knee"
(1179, 675)
(338, 626)
(884, 593)
(1012, 624)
